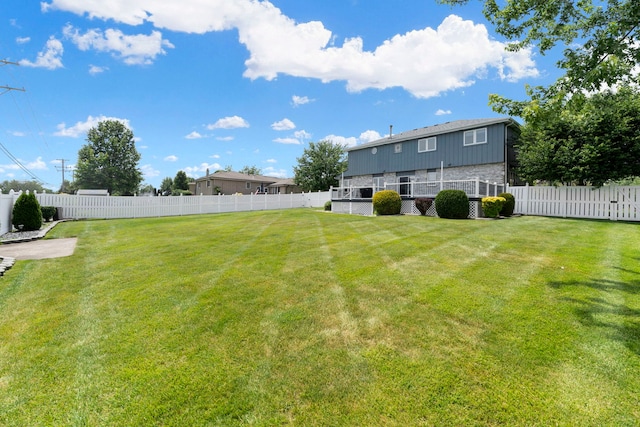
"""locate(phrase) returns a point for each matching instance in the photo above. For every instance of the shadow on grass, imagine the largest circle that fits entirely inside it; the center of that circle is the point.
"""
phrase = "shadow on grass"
(621, 322)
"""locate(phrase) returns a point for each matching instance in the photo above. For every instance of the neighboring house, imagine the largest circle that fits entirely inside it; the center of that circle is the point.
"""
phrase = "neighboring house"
(284, 186)
(458, 150)
(223, 182)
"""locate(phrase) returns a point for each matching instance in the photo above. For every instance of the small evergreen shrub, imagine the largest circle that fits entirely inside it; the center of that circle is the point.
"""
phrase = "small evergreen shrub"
(453, 204)
(387, 202)
(327, 206)
(509, 204)
(26, 213)
(48, 212)
(423, 204)
(491, 206)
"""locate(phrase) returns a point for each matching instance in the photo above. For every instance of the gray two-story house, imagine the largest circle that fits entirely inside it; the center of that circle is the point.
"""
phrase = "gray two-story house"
(459, 150)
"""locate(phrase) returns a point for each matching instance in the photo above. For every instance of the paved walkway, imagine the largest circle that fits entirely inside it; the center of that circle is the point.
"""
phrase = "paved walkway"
(28, 245)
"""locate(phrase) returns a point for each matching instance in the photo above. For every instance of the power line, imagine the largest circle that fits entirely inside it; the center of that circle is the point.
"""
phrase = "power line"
(20, 165)
(8, 88)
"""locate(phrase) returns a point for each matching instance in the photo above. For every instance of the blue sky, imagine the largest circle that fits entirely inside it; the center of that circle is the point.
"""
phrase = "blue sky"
(210, 84)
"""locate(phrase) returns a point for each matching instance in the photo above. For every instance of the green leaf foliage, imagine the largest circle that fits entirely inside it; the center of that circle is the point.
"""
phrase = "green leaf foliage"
(586, 140)
(26, 214)
(110, 160)
(48, 212)
(452, 204)
(600, 41)
(181, 181)
(509, 204)
(387, 202)
(320, 166)
(491, 206)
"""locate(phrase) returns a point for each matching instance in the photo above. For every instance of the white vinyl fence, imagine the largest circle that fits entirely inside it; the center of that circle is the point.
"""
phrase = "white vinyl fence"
(616, 203)
(110, 207)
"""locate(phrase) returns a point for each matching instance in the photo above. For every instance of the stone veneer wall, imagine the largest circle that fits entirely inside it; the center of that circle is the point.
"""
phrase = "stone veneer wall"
(491, 172)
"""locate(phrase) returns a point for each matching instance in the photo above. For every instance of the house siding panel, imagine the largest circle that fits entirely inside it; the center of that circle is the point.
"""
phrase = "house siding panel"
(450, 151)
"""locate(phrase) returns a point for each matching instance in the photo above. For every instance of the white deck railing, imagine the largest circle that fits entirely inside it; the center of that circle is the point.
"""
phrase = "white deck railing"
(472, 187)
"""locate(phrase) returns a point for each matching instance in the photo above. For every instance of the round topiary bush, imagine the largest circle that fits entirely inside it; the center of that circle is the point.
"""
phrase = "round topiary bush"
(453, 204)
(327, 205)
(509, 205)
(387, 202)
(423, 204)
(491, 206)
(48, 212)
(26, 214)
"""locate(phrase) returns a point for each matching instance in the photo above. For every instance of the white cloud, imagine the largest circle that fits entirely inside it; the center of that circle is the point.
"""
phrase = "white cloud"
(290, 141)
(271, 161)
(425, 62)
(442, 112)
(37, 164)
(302, 134)
(18, 133)
(196, 171)
(94, 69)
(23, 40)
(194, 135)
(149, 172)
(49, 58)
(276, 173)
(132, 49)
(232, 122)
(215, 156)
(299, 100)
(348, 141)
(369, 135)
(81, 128)
(284, 124)
(225, 138)
(171, 158)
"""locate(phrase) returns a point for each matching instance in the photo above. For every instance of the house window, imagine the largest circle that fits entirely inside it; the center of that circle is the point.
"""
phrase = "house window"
(405, 186)
(476, 136)
(397, 148)
(208, 184)
(427, 144)
(248, 186)
(378, 183)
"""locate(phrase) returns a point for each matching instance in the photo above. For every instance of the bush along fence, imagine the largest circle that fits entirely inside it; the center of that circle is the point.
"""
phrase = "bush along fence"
(112, 207)
(616, 203)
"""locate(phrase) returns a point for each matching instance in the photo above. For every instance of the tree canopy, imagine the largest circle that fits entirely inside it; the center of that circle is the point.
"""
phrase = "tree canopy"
(109, 160)
(251, 170)
(600, 38)
(181, 181)
(320, 166)
(15, 185)
(587, 139)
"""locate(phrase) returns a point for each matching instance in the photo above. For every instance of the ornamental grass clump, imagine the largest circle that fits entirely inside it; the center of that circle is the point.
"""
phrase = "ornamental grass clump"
(423, 204)
(491, 206)
(26, 214)
(387, 202)
(509, 204)
(452, 204)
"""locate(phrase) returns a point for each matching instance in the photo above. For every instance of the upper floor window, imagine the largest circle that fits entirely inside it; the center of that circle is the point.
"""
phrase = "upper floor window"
(476, 136)
(248, 185)
(427, 144)
(397, 148)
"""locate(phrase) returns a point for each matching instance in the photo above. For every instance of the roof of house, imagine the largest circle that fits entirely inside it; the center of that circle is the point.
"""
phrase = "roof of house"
(439, 129)
(283, 182)
(238, 176)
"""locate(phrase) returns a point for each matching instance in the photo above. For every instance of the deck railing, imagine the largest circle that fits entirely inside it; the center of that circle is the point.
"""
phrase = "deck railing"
(413, 189)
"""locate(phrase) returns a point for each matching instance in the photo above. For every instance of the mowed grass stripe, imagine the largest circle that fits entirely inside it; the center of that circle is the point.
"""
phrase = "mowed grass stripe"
(307, 317)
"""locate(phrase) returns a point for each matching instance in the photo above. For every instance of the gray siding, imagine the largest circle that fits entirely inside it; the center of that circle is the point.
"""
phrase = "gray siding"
(450, 150)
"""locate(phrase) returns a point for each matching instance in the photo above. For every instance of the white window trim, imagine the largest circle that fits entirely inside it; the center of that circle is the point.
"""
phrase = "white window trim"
(397, 148)
(427, 144)
(474, 132)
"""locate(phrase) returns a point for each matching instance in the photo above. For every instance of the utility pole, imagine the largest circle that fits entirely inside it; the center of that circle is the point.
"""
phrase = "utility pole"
(62, 169)
(8, 88)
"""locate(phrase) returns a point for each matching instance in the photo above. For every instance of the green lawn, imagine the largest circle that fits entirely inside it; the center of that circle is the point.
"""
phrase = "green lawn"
(305, 317)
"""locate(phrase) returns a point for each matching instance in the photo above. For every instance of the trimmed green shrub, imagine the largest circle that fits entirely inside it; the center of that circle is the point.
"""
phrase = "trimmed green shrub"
(26, 214)
(509, 204)
(491, 206)
(48, 212)
(453, 204)
(423, 204)
(327, 206)
(387, 202)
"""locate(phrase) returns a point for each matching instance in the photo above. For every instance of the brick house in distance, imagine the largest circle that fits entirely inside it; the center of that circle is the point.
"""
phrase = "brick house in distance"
(228, 182)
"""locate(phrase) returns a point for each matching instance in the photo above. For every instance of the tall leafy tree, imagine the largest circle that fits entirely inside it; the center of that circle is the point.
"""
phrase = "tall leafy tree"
(320, 166)
(166, 185)
(15, 185)
(109, 160)
(181, 181)
(587, 139)
(251, 170)
(600, 38)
